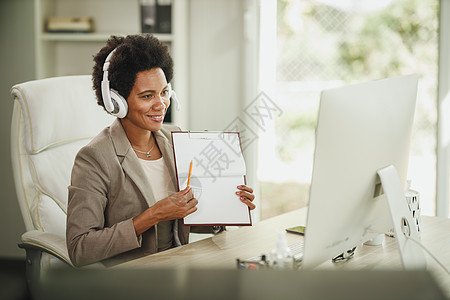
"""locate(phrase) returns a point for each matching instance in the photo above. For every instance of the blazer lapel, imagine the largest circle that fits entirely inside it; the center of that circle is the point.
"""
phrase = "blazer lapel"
(130, 162)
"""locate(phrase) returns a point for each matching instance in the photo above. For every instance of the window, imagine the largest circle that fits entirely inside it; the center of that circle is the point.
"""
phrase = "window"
(328, 43)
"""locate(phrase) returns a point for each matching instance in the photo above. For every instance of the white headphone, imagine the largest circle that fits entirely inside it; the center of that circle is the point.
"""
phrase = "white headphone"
(114, 103)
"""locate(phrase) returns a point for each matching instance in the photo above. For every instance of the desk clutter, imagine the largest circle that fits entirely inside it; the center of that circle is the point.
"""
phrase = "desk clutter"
(412, 198)
(283, 257)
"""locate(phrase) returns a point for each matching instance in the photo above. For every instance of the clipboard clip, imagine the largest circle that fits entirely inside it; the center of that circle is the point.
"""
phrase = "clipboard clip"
(215, 135)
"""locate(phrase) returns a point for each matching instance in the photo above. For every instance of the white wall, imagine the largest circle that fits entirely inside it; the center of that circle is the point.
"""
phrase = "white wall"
(16, 65)
(222, 70)
(215, 48)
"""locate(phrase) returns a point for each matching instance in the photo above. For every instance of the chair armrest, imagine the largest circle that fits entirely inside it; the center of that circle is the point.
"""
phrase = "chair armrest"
(53, 244)
(47, 242)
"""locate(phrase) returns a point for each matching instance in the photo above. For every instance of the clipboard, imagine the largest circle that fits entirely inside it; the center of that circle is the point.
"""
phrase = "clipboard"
(218, 168)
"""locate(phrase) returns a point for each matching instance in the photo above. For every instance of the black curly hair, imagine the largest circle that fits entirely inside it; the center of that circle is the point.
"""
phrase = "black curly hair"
(134, 54)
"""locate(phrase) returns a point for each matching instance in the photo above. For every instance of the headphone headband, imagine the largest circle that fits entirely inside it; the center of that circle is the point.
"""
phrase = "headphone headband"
(114, 103)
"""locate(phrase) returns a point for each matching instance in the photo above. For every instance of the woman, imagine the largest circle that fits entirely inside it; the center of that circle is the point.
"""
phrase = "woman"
(123, 202)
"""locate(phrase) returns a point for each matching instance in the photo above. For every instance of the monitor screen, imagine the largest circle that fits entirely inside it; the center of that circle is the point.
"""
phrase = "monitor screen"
(361, 129)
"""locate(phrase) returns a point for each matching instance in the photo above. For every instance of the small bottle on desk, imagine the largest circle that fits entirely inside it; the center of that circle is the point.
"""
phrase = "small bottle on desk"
(281, 256)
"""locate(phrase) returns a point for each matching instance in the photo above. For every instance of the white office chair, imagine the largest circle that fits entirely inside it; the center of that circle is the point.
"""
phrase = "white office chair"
(52, 119)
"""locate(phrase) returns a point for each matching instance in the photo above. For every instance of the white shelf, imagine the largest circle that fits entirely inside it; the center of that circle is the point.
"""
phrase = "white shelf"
(60, 54)
(92, 37)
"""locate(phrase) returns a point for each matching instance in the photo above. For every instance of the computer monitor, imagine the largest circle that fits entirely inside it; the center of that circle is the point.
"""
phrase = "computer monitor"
(361, 129)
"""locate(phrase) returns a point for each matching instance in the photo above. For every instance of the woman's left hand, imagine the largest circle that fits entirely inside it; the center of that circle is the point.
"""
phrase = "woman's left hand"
(245, 194)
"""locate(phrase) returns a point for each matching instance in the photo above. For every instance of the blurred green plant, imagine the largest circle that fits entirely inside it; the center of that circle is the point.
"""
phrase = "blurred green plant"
(295, 130)
(391, 42)
(333, 44)
(317, 42)
(279, 198)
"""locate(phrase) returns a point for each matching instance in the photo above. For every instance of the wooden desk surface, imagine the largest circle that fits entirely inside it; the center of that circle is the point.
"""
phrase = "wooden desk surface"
(221, 251)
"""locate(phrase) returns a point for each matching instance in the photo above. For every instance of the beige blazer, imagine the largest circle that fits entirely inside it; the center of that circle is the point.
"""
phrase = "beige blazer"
(108, 188)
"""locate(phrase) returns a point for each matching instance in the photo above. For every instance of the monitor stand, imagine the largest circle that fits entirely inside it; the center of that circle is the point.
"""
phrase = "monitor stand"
(411, 253)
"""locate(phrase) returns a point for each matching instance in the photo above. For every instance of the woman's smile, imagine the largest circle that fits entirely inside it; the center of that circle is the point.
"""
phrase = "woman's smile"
(156, 118)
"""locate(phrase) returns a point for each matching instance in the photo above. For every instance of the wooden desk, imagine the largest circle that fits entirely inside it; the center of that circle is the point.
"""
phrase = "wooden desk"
(222, 250)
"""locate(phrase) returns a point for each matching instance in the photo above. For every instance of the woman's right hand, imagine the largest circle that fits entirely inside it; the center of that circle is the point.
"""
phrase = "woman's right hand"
(175, 206)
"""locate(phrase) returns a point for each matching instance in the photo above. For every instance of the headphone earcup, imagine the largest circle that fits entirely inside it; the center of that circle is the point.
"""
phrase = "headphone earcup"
(114, 103)
(119, 103)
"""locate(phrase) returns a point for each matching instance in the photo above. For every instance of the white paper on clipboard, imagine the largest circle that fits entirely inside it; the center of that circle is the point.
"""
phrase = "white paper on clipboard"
(218, 168)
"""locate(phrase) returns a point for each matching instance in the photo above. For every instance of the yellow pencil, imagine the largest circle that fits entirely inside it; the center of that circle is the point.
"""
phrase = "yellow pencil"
(190, 172)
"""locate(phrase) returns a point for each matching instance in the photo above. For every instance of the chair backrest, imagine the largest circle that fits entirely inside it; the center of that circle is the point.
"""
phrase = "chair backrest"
(52, 119)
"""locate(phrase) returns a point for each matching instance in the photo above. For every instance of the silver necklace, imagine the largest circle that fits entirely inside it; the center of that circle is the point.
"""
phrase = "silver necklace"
(143, 152)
